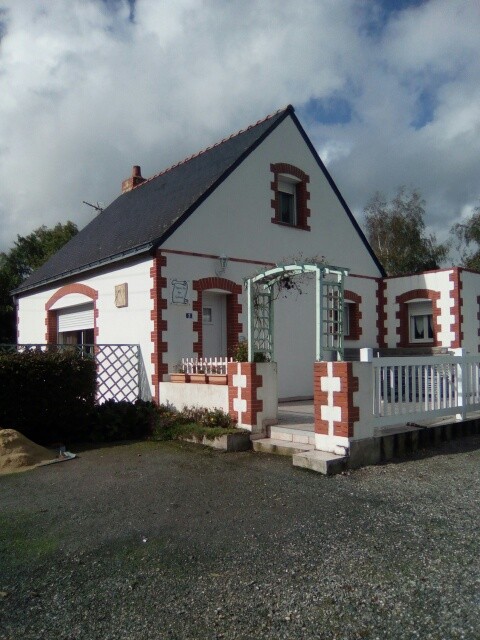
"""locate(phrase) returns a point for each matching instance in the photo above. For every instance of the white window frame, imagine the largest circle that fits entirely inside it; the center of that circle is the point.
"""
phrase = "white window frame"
(288, 186)
(420, 311)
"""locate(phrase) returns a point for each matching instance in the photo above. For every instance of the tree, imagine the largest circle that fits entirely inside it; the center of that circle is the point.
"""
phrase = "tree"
(27, 254)
(396, 232)
(466, 234)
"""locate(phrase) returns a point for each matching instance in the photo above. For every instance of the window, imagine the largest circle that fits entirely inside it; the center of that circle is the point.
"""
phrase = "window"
(421, 321)
(290, 196)
(207, 315)
(288, 202)
(347, 307)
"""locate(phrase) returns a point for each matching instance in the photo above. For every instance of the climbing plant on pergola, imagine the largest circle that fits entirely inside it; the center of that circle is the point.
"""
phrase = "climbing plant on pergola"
(329, 288)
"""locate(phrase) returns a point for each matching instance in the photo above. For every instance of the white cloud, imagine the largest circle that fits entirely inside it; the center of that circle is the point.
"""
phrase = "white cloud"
(85, 93)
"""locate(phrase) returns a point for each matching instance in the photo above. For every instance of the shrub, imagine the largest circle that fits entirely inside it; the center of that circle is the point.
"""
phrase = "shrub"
(122, 421)
(47, 396)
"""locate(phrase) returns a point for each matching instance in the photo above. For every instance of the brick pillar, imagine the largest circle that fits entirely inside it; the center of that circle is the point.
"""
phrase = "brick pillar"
(244, 404)
(335, 412)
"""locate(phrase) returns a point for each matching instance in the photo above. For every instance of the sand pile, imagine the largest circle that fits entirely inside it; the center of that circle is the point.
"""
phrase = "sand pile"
(18, 453)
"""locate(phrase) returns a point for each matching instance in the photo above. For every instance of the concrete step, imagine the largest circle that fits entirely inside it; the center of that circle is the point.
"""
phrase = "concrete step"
(320, 461)
(292, 434)
(280, 447)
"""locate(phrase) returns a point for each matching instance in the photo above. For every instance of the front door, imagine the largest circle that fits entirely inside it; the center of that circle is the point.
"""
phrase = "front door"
(214, 324)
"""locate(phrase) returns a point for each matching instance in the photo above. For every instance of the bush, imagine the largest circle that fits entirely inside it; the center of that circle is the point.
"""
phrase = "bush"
(47, 396)
(172, 423)
(123, 421)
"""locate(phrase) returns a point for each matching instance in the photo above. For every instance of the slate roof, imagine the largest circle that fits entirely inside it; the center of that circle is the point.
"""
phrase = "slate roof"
(140, 219)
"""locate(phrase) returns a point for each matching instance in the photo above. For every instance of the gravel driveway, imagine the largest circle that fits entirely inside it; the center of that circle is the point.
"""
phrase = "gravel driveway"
(160, 540)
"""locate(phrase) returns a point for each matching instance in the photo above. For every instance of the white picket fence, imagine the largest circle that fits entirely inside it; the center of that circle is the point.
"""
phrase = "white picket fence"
(205, 365)
(411, 388)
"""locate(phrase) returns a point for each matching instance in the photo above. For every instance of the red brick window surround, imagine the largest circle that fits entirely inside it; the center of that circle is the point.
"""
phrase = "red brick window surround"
(403, 330)
(51, 321)
(297, 183)
(234, 309)
(352, 307)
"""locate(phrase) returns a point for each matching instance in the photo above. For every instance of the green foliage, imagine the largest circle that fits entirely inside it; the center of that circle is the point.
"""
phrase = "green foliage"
(47, 396)
(466, 235)
(27, 254)
(240, 353)
(396, 232)
(122, 421)
(172, 424)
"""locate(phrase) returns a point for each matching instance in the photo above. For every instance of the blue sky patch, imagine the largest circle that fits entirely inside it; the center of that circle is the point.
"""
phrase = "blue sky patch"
(425, 109)
(334, 110)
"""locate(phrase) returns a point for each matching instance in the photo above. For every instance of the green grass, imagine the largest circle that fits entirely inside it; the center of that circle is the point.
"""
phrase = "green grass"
(198, 431)
(21, 541)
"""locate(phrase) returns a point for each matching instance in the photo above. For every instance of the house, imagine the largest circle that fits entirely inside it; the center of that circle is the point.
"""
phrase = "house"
(164, 267)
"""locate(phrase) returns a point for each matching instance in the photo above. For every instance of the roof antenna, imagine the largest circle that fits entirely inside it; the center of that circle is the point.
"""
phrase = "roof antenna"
(97, 206)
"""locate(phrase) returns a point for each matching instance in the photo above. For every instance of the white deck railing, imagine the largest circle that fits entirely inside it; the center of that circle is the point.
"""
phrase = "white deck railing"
(205, 365)
(435, 385)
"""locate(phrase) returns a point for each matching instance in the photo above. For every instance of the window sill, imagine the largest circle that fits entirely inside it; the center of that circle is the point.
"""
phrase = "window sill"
(301, 227)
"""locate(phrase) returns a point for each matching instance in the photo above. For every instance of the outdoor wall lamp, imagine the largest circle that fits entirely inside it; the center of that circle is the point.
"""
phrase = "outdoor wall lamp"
(223, 260)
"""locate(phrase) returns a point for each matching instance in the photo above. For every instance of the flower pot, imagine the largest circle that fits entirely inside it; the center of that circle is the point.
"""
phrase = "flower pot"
(179, 377)
(198, 378)
(217, 378)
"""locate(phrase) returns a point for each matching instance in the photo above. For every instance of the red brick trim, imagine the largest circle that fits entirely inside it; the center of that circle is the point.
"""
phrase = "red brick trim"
(159, 346)
(302, 194)
(355, 315)
(403, 330)
(248, 393)
(51, 320)
(320, 398)
(456, 308)
(381, 309)
(214, 256)
(234, 309)
(349, 384)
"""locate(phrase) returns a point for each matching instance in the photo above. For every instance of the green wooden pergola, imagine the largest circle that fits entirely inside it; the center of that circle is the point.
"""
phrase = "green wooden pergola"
(329, 287)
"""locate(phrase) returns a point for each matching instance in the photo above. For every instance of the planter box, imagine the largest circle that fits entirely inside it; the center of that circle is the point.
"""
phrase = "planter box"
(217, 378)
(179, 377)
(229, 442)
(198, 378)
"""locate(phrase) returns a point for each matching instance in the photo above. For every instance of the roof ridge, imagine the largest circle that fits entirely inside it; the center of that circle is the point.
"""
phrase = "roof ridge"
(212, 146)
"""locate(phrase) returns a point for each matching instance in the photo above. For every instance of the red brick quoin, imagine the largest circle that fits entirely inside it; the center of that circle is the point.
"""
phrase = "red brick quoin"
(402, 314)
(51, 321)
(302, 194)
(457, 305)
(381, 309)
(159, 346)
(350, 414)
(234, 309)
(248, 393)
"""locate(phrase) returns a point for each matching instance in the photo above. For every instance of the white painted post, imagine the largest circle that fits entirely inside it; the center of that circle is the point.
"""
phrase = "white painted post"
(366, 355)
(461, 382)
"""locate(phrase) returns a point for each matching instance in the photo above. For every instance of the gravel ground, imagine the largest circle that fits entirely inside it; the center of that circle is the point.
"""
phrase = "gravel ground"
(160, 540)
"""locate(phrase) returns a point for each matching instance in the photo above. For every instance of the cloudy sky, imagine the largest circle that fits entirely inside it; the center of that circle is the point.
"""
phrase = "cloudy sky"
(388, 91)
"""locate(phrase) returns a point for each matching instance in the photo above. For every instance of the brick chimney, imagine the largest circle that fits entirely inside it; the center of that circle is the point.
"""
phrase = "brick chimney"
(134, 180)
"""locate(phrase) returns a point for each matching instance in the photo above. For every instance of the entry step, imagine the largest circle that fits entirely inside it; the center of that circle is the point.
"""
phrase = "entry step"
(292, 434)
(280, 447)
(320, 461)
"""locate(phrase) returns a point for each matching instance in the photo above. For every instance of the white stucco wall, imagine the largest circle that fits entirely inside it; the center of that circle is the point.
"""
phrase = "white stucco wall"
(434, 280)
(236, 218)
(127, 325)
(470, 309)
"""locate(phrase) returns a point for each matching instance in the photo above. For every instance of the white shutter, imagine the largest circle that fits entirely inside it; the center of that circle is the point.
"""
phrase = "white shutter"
(76, 318)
